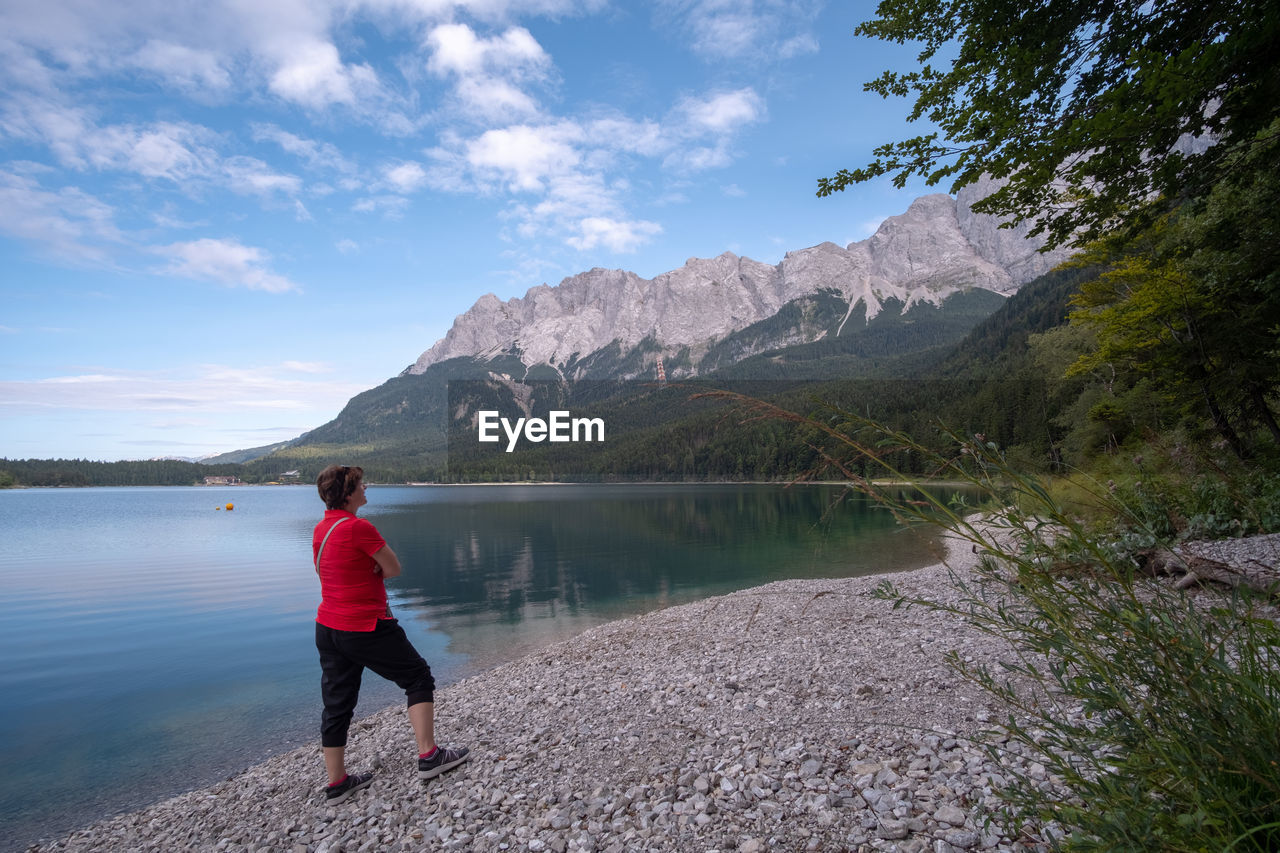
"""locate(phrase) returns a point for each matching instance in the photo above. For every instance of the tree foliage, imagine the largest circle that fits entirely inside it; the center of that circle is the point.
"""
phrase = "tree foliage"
(1193, 302)
(1084, 107)
(86, 472)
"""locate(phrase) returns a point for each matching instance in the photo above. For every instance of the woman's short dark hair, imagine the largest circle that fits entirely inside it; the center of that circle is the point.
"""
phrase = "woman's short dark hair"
(337, 483)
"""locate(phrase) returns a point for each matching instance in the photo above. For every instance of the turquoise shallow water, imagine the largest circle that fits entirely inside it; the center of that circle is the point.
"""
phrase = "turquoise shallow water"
(155, 642)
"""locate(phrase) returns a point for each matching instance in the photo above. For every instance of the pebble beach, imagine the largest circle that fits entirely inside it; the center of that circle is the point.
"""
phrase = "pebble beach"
(800, 715)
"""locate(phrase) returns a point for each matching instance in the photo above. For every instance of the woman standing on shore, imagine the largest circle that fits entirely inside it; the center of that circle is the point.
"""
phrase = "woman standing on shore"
(355, 630)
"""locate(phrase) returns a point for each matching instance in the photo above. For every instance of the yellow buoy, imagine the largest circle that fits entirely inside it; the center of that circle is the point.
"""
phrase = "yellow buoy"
(230, 507)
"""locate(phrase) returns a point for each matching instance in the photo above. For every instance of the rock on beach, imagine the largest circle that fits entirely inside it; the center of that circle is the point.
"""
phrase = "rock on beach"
(801, 715)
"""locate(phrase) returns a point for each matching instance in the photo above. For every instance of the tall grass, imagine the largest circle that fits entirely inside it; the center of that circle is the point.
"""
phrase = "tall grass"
(1156, 713)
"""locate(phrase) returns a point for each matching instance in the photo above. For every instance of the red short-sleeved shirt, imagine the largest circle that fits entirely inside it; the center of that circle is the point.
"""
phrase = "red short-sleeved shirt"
(353, 596)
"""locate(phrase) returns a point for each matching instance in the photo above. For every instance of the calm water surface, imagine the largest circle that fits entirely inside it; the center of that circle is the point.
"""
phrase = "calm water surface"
(155, 642)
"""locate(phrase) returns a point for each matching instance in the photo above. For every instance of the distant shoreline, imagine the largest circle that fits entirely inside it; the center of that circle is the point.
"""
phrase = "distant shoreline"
(787, 483)
(891, 483)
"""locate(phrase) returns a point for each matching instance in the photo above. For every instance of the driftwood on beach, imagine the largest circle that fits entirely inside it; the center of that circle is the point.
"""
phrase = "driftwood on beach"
(1253, 562)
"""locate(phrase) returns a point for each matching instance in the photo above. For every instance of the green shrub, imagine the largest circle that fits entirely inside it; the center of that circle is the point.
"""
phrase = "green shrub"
(1178, 746)
(1205, 505)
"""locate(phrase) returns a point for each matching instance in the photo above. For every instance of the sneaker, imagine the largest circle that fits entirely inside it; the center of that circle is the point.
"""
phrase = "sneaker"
(444, 759)
(339, 793)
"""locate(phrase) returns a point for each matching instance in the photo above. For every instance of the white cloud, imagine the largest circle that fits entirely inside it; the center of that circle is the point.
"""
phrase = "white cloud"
(177, 423)
(226, 262)
(41, 119)
(759, 30)
(308, 53)
(456, 50)
(347, 247)
(449, 170)
(798, 46)
(391, 206)
(617, 236)
(489, 73)
(577, 172)
(212, 388)
(209, 51)
(250, 176)
(180, 152)
(698, 158)
(645, 137)
(197, 72)
(321, 156)
(81, 379)
(405, 177)
(481, 76)
(724, 112)
(531, 158)
(728, 32)
(308, 366)
(571, 198)
(524, 157)
(311, 73)
(169, 217)
(68, 223)
(74, 226)
(495, 101)
(488, 10)
(173, 151)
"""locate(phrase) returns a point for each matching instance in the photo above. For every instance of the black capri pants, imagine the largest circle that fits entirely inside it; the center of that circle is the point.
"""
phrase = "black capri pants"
(344, 655)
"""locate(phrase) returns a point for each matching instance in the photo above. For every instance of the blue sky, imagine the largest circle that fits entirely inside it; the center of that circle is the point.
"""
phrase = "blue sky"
(221, 220)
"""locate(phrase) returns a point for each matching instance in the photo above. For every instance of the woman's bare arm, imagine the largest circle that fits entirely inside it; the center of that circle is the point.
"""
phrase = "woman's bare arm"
(388, 562)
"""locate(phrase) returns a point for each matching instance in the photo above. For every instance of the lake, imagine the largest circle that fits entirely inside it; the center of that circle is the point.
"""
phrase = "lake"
(157, 642)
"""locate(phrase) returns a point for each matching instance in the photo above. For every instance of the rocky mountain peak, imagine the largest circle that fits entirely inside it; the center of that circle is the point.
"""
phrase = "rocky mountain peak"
(937, 247)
